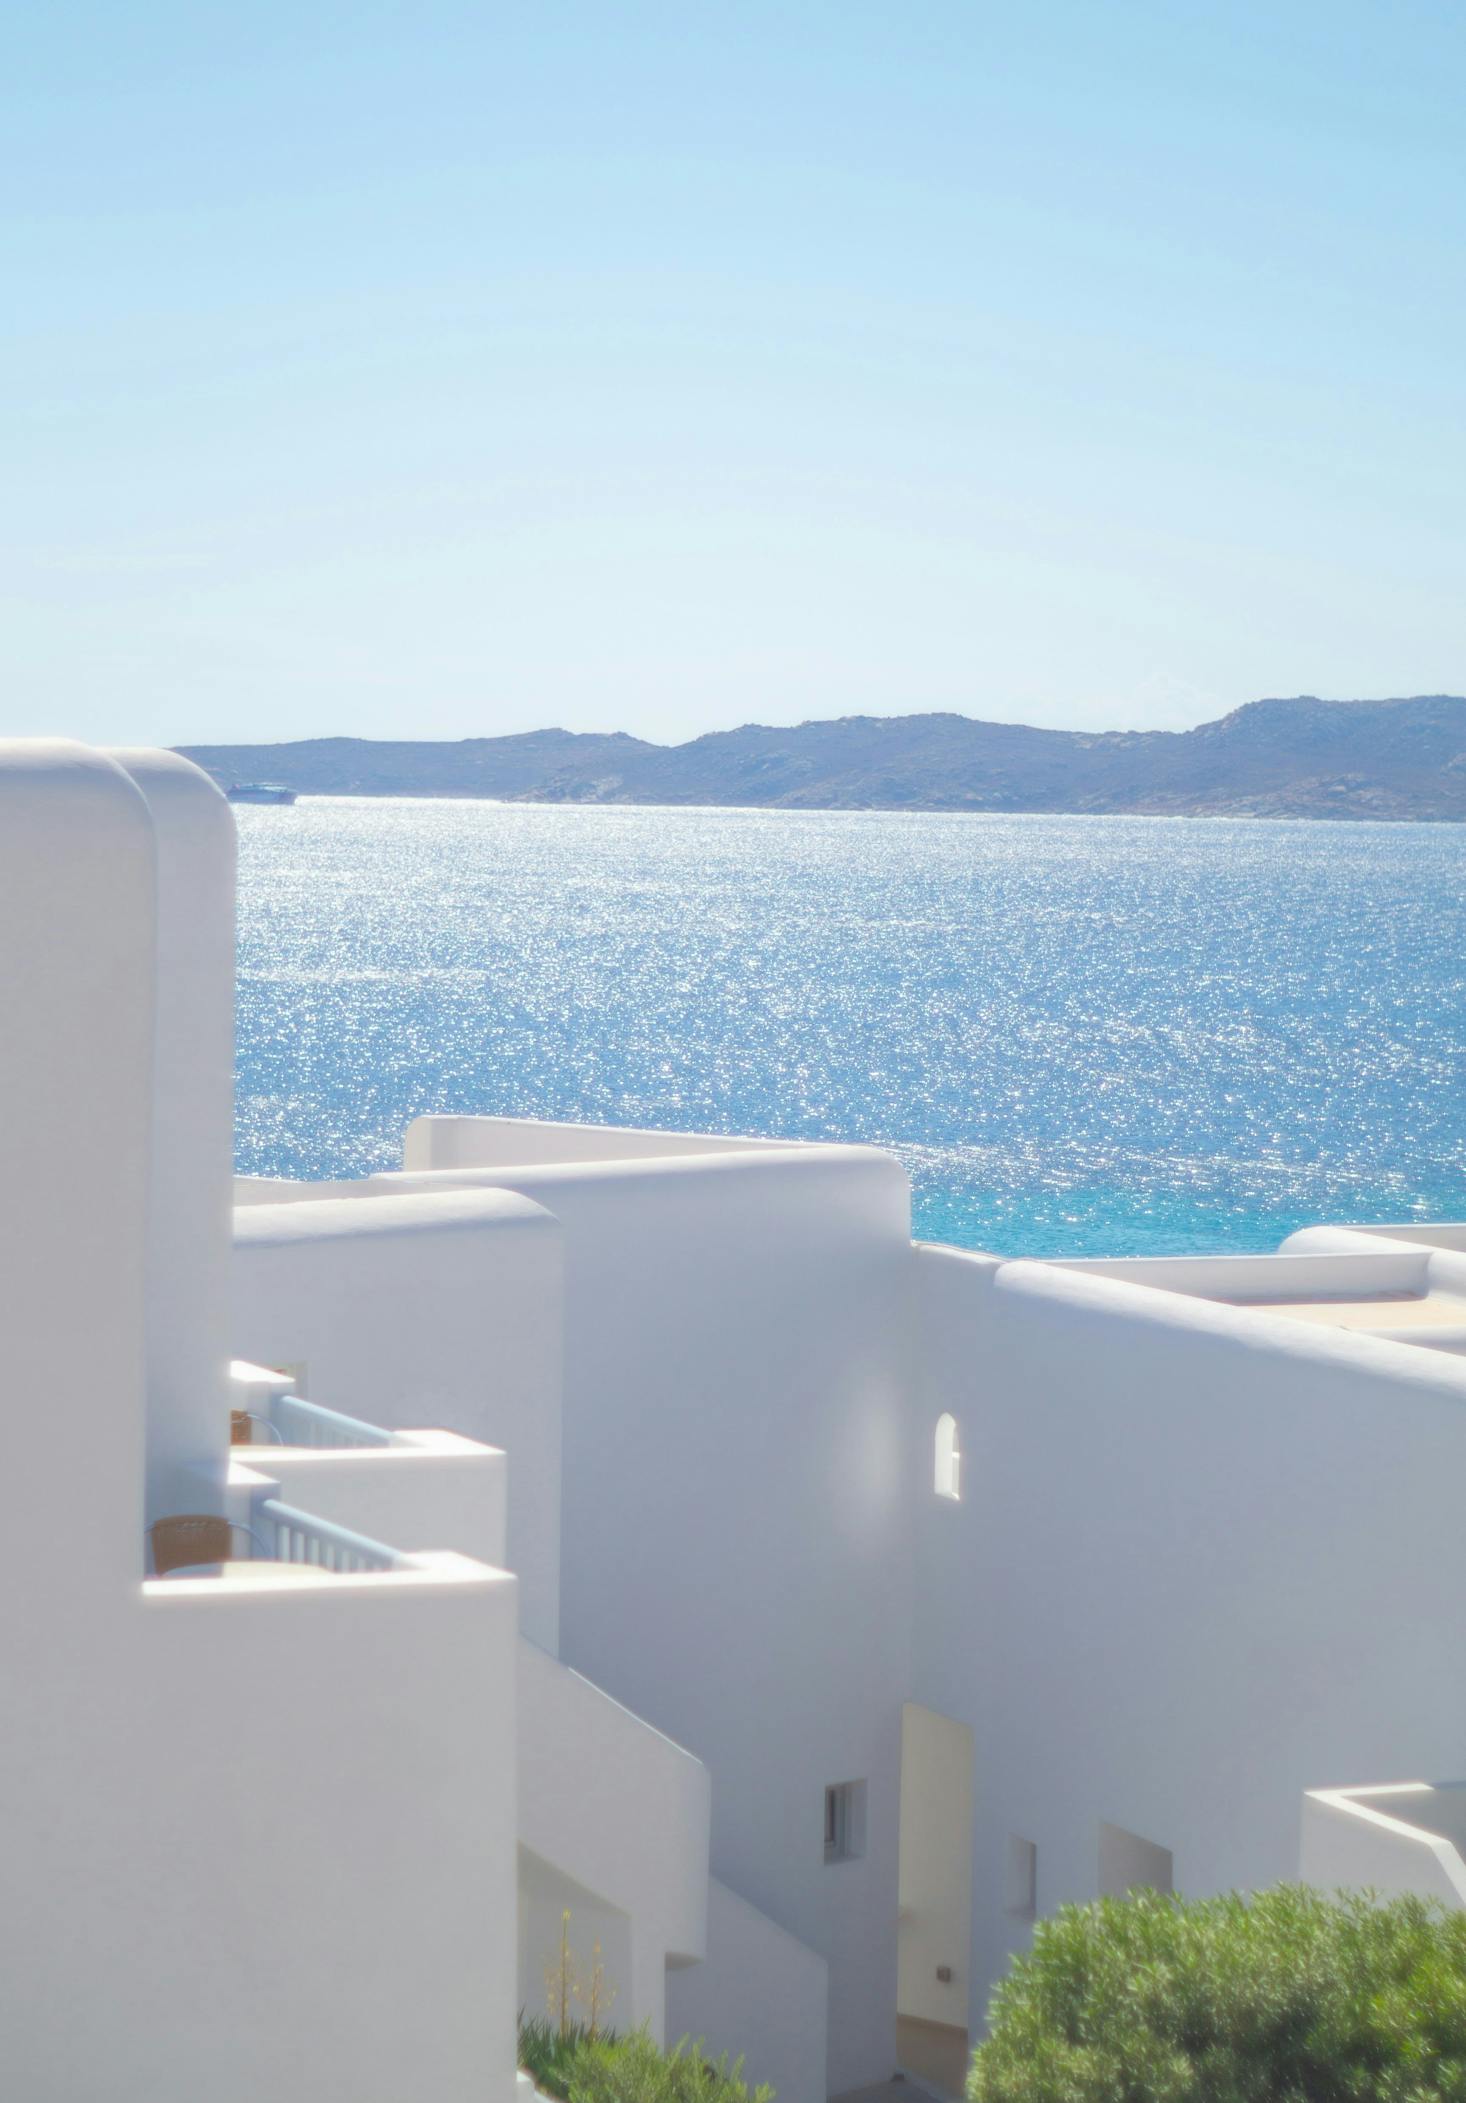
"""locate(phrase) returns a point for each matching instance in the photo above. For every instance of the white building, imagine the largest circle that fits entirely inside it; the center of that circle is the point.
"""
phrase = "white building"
(866, 1598)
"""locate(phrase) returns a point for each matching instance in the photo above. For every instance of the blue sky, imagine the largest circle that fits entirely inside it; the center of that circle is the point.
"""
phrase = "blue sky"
(445, 370)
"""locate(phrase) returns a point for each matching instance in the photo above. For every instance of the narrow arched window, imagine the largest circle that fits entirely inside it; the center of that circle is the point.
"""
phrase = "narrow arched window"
(949, 1460)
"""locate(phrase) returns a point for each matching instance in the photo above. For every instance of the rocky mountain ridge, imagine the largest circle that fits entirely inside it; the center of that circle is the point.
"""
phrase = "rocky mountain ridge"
(1303, 757)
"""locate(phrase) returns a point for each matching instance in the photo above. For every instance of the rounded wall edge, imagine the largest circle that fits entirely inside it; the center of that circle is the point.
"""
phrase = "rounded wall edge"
(348, 1219)
(36, 774)
(815, 1162)
(943, 1255)
(1073, 1297)
(170, 784)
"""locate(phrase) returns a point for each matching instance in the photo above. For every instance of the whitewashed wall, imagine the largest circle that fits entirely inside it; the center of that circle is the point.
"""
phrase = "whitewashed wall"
(609, 1802)
(520, 1142)
(937, 1807)
(322, 1844)
(1434, 1234)
(1323, 1263)
(428, 1490)
(1204, 1557)
(1297, 1274)
(189, 1217)
(760, 1996)
(77, 969)
(1390, 1842)
(264, 1843)
(736, 1506)
(1184, 1579)
(1439, 1251)
(282, 1190)
(192, 1908)
(595, 1935)
(436, 1311)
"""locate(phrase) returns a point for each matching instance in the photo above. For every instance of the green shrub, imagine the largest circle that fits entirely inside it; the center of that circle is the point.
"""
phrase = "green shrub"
(634, 2070)
(1289, 1997)
(581, 2067)
(547, 2052)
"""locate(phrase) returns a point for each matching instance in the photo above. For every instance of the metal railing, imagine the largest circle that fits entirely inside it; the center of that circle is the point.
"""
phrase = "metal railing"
(299, 1537)
(302, 1423)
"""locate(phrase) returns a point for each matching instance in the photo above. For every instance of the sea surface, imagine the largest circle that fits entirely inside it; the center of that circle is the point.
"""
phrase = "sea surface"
(1082, 1035)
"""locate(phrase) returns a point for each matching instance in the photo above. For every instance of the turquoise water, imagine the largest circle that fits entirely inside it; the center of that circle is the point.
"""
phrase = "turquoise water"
(1086, 1036)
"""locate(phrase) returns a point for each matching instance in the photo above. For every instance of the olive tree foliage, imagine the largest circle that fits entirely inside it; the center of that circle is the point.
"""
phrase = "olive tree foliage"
(1289, 1996)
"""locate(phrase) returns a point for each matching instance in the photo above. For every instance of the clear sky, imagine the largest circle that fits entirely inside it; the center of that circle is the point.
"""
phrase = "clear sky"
(441, 370)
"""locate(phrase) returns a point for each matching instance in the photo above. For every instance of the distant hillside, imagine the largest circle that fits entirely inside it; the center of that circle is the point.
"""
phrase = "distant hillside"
(1302, 758)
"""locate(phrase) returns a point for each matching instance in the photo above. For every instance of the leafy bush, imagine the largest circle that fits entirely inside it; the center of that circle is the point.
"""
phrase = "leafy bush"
(1288, 1997)
(634, 2070)
(547, 2052)
(583, 2069)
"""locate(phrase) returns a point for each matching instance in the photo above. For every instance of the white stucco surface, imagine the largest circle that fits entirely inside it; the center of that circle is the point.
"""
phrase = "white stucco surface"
(266, 1846)
(761, 1996)
(736, 1492)
(692, 1432)
(1393, 1840)
(219, 1797)
(282, 1830)
(937, 1807)
(1210, 1555)
(1447, 1235)
(77, 957)
(1403, 1291)
(439, 1311)
(192, 1135)
(519, 1142)
(610, 1803)
(1152, 1480)
(429, 1489)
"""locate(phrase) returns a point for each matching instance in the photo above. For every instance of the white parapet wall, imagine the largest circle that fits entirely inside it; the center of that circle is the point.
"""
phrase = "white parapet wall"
(1296, 1273)
(257, 1826)
(422, 1489)
(1447, 1235)
(613, 1808)
(1402, 1290)
(192, 1128)
(524, 1142)
(736, 1491)
(433, 1310)
(416, 1489)
(267, 1841)
(760, 1996)
(1403, 1837)
(319, 1902)
(1202, 1553)
(736, 1510)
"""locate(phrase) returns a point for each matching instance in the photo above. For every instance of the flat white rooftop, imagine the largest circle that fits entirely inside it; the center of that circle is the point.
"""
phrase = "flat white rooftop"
(1409, 1294)
(1370, 1312)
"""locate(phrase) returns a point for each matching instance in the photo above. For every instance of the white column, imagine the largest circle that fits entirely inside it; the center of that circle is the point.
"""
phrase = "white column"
(190, 1210)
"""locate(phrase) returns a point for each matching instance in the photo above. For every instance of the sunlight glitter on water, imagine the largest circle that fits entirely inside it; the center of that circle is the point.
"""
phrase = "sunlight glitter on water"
(1083, 1036)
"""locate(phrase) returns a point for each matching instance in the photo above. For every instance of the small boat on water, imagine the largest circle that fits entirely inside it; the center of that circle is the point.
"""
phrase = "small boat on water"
(259, 792)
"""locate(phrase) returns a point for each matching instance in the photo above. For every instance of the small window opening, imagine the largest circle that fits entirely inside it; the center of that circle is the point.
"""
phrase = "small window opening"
(949, 1460)
(1022, 1892)
(844, 1821)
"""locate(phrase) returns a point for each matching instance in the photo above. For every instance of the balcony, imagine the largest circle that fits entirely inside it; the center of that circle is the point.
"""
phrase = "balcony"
(416, 1489)
(293, 1536)
(275, 1535)
(265, 1412)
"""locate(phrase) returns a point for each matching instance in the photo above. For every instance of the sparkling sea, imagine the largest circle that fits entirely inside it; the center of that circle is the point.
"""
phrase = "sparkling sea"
(1084, 1036)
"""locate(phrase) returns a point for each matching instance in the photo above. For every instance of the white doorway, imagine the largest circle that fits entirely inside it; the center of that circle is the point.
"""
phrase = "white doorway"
(935, 1896)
